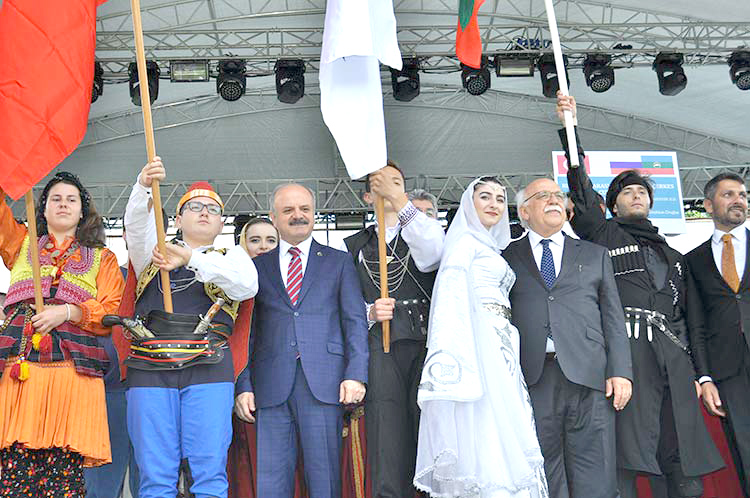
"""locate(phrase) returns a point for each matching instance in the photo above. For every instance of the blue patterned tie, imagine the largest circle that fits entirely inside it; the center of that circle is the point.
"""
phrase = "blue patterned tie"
(548, 264)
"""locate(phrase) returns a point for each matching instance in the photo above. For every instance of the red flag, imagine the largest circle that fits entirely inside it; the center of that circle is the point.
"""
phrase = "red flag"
(46, 74)
(468, 42)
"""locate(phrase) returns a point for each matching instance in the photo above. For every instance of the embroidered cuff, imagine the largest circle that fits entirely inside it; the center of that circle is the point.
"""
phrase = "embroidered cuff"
(407, 213)
(85, 322)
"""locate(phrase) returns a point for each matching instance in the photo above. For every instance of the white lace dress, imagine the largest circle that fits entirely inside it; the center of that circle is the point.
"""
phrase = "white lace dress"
(477, 436)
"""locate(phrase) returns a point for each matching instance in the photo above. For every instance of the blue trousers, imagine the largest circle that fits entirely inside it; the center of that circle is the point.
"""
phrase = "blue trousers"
(167, 425)
(317, 426)
(107, 481)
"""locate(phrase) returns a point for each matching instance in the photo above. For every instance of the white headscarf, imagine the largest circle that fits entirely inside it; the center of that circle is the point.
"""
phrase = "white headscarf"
(467, 221)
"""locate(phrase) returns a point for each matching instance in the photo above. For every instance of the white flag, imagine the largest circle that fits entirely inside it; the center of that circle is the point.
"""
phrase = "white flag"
(358, 35)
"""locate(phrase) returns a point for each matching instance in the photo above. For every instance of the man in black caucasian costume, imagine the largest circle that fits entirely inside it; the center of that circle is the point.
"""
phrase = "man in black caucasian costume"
(661, 430)
(414, 246)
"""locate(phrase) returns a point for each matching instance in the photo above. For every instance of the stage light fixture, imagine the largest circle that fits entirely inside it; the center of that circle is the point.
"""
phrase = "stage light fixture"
(476, 81)
(290, 80)
(405, 82)
(548, 74)
(513, 66)
(739, 69)
(188, 71)
(231, 81)
(672, 77)
(598, 71)
(152, 74)
(98, 87)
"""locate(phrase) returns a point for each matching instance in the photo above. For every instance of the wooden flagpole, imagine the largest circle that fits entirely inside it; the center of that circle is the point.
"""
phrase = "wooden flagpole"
(380, 215)
(34, 245)
(563, 80)
(148, 130)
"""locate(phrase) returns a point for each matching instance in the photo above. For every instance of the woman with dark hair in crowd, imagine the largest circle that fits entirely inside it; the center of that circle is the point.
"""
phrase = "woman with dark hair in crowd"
(53, 417)
(258, 236)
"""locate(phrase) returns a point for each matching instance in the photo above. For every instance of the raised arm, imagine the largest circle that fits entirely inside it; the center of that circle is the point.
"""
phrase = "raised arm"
(588, 214)
(140, 225)
(12, 233)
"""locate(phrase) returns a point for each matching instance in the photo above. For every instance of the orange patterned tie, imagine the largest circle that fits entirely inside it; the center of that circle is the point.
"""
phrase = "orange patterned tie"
(728, 267)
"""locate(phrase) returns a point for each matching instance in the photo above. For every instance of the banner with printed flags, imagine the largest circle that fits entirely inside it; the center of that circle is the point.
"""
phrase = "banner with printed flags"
(357, 37)
(46, 74)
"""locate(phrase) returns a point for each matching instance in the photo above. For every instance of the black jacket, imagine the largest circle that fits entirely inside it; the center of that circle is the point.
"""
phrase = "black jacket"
(722, 330)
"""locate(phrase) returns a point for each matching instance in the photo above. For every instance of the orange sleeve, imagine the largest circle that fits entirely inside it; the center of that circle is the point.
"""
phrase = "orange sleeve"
(109, 287)
(12, 234)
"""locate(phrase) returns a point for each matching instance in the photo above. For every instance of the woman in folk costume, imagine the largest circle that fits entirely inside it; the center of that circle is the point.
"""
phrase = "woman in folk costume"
(477, 436)
(53, 416)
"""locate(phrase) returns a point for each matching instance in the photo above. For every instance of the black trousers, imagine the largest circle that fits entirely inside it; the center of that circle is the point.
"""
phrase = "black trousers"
(675, 484)
(392, 416)
(576, 430)
(735, 395)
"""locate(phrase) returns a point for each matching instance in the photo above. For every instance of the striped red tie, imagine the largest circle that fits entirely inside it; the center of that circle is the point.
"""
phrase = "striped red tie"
(294, 276)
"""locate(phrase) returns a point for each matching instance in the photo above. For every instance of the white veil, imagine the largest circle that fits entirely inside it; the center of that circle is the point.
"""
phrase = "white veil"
(467, 221)
(475, 430)
(455, 307)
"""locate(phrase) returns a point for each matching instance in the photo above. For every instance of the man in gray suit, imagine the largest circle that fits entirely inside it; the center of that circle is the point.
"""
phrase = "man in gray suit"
(574, 348)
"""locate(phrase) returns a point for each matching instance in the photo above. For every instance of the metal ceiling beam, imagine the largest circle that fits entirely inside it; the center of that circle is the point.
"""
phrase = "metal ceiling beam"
(208, 30)
(342, 195)
(662, 135)
(167, 15)
(701, 43)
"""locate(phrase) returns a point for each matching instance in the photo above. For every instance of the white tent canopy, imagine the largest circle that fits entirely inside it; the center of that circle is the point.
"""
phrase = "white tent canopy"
(445, 131)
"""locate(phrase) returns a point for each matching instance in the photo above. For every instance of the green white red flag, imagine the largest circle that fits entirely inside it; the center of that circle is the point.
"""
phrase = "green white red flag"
(468, 41)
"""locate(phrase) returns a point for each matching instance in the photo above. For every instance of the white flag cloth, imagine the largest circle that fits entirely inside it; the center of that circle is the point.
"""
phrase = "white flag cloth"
(358, 35)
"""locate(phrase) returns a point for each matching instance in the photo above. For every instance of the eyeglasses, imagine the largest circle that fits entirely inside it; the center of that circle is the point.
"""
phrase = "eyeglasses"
(197, 207)
(545, 195)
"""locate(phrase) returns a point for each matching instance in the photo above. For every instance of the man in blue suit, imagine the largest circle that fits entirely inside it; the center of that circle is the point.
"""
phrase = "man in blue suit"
(308, 352)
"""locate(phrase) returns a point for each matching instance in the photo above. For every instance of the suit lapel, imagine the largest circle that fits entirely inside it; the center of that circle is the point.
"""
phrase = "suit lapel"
(314, 263)
(571, 248)
(275, 274)
(746, 273)
(527, 257)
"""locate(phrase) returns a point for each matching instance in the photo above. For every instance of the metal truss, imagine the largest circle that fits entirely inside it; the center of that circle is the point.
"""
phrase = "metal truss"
(344, 196)
(260, 32)
(527, 107)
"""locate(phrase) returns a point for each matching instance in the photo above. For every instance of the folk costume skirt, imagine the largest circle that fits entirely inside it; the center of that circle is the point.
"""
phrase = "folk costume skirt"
(56, 407)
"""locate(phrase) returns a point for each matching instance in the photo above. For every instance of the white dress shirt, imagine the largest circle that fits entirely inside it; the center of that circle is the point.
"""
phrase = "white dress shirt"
(739, 242)
(233, 272)
(556, 245)
(285, 257)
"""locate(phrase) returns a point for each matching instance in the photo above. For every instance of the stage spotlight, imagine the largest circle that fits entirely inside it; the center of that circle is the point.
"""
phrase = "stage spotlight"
(290, 80)
(476, 81)
(152, 74)
(512, 65)
(230, 82)
(739, 69)
(548, 74)
(599, 74)
(672, 78)
(405, 83)
(98, 88)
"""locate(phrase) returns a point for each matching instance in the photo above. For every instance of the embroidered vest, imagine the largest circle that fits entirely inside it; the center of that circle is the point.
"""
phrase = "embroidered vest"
(77, 284)
(213, 291)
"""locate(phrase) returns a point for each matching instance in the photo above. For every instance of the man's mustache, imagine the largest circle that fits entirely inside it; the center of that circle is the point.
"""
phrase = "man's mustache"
(298, 221)
(553, 208)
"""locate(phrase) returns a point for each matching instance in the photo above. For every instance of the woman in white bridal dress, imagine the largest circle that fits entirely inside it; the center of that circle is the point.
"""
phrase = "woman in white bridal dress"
(477, 436)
